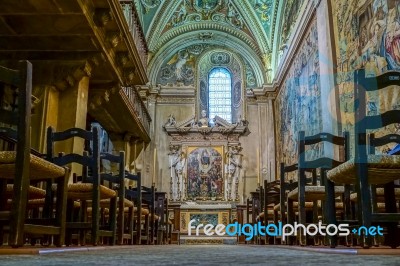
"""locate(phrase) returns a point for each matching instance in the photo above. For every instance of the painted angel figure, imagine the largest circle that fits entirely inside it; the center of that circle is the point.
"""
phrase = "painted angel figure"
(181, 59)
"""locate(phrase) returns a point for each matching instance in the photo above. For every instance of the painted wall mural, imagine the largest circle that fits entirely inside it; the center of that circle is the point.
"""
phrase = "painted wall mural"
(292, 10)
(180, 67)
(298, 105)
(205, 173)
(367, 36)
(264, 10)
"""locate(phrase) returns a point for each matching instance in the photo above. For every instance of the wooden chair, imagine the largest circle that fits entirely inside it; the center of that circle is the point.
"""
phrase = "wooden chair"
(241, 210)
(148, 199)
(329, 193)
(134, 194)
(286, 208)
(22, 167)
(365, 170)
(160, 211)
(89, 189)
(175, 209)
(123, 204)
(271, 198)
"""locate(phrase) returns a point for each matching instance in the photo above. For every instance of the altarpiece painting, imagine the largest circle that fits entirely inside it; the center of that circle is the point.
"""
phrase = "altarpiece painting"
(205, 172)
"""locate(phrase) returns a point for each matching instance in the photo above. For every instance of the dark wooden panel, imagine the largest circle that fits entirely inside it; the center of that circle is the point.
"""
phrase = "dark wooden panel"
(44, 43)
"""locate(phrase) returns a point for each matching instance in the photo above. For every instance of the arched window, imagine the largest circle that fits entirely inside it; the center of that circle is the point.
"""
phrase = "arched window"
(220, 94)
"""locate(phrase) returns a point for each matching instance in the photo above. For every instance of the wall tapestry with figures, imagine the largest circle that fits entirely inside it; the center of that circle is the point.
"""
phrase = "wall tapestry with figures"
(205, 173)
(367, 35)
(298, 105)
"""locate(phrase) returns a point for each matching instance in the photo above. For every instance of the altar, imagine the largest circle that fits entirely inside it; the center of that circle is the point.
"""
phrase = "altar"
(208, 213)
(205, 164)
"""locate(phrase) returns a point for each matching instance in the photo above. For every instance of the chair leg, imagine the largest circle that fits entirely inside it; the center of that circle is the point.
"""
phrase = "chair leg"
(70, 218)
(120, 222)
(95, 216)
(61, 208)
(131, 225)
(364, 206)
(113, 220)
(290, 219)
(3, 204)
(392, 237)
(18, 211)
(330, 211)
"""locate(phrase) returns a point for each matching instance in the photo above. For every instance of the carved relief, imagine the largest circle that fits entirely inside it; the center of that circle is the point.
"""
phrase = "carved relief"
(220, 58)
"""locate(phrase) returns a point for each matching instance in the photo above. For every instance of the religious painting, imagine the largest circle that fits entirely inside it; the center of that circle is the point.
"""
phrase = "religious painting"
(205, 173)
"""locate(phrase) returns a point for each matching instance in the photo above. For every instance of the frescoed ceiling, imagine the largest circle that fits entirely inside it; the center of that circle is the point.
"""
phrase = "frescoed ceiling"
(250, 28)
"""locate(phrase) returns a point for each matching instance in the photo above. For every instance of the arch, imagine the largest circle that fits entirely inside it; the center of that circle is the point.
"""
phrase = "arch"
(221, 41)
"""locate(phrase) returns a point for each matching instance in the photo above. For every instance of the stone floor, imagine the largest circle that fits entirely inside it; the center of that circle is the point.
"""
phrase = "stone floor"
(197, 255)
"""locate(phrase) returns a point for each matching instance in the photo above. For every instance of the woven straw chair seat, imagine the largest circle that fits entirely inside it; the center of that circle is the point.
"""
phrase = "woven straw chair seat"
(382, 169)
(262, 214)
(379, 193)
(39, 168)
(314, 192)
(155, 217)
(106, 211)
(104, 203)
(33, 192)
(144, 211)
(84, 191)
(37, 203)
(309, 206)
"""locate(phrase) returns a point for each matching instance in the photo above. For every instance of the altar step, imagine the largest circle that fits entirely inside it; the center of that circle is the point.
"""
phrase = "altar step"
(208, 240)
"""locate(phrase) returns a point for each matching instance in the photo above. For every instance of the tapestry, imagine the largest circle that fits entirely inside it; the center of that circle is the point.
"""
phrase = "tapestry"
(367, 36)
(298, 105)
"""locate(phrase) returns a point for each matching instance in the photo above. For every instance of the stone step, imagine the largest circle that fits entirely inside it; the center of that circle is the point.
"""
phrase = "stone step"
(207, 240)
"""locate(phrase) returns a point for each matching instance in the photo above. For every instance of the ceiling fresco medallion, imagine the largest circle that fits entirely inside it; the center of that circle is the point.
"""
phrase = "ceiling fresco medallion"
(206, 6)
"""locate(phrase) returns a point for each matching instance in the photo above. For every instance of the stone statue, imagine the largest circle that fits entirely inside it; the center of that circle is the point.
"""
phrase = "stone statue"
(178, 162)
(171, 121)
(203, 121)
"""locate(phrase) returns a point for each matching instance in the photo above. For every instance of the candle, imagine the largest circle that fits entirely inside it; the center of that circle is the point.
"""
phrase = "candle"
(170, 164)
(154, 165)
(229, 164)
(244, 185)
(258, 166)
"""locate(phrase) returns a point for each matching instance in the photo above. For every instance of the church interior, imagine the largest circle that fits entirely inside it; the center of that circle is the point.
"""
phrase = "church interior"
(131, 123)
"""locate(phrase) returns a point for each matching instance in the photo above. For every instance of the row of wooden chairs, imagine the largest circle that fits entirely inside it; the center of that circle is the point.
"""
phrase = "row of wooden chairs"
(38, 202)
(358, 191)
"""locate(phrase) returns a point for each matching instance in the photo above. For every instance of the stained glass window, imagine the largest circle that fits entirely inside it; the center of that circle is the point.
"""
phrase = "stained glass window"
(220, 94)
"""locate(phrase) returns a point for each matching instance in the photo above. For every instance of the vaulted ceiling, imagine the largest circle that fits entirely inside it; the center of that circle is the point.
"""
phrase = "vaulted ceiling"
(250, 28)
